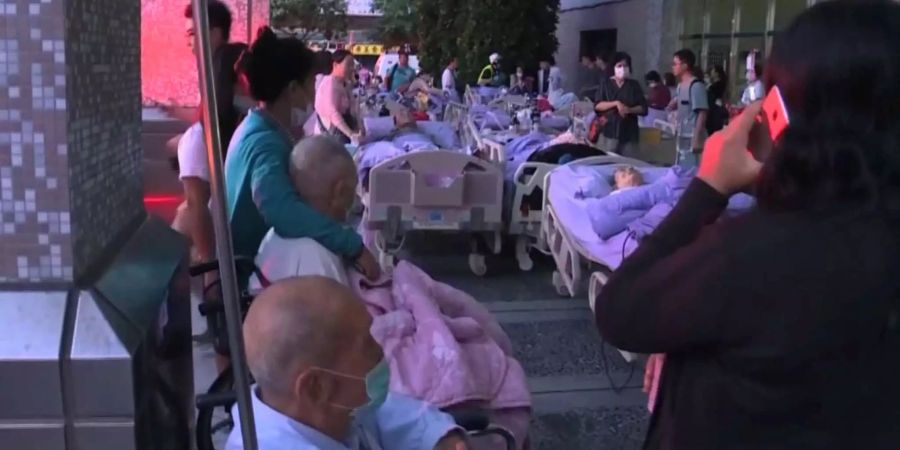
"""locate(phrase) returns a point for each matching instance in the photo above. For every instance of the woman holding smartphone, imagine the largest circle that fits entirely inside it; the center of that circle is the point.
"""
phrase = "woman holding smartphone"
(781, 328)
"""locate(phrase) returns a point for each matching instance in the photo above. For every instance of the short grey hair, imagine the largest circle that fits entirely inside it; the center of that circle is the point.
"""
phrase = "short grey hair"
(317, 163)
(295, 323)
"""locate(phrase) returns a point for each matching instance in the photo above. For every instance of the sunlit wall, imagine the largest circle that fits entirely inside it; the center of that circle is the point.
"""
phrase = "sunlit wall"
(168, 69)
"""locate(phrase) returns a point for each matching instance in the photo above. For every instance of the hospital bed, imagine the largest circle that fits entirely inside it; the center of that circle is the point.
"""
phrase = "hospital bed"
(566, 231)
(567, 235)
(523, 221)
(447, 190)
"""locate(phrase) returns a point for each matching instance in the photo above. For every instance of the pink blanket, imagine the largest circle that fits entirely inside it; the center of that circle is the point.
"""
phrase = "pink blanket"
(444, 347)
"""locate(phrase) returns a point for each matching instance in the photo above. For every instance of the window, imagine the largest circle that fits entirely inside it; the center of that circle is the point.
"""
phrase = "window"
(723, 32)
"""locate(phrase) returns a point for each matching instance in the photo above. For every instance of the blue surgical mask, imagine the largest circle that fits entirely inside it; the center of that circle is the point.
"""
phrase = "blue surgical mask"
(378, 382)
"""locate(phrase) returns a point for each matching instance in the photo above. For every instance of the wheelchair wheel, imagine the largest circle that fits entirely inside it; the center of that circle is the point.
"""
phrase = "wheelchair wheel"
(223, 384)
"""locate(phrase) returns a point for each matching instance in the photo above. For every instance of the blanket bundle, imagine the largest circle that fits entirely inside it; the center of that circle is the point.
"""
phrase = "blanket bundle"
(444, 347)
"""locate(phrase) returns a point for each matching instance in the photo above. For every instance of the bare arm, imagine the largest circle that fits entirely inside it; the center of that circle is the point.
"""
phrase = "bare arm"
(197, 194)
(699, 128)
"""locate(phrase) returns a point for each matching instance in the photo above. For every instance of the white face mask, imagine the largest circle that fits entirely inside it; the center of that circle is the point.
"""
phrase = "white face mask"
(621, 72)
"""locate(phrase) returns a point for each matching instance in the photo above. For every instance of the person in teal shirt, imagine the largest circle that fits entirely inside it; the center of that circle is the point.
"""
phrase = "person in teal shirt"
(401, 75)
(258, 188)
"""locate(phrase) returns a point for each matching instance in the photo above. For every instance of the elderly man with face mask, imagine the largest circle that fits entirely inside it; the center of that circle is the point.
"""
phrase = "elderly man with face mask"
(322, 380)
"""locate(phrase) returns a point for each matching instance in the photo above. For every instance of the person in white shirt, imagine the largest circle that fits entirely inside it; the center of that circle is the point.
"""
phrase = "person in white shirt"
(322, 380)
(550, 77)
(755, 89)
(193, 219)
(448, 80)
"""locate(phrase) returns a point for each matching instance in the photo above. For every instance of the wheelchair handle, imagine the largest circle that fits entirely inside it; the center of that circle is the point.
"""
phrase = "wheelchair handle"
(203, 268)
(216, 400)
(471, 420)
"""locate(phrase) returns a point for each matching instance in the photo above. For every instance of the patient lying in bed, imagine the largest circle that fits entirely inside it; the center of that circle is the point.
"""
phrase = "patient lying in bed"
(426, 328)
(626, 177)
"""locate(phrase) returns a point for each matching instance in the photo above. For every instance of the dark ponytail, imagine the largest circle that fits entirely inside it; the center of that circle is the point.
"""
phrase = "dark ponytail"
(272, 63)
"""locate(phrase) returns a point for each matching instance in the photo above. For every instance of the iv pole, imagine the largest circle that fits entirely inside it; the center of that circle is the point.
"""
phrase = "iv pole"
(224, 248)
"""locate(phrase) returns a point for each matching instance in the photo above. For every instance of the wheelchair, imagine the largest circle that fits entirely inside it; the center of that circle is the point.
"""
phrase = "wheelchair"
(221, 393)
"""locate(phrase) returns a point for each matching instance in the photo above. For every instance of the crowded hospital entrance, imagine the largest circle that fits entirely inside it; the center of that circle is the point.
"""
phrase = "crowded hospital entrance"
(401, 244)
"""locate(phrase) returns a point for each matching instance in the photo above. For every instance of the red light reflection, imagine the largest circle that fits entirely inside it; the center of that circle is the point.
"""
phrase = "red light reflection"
(168, 69)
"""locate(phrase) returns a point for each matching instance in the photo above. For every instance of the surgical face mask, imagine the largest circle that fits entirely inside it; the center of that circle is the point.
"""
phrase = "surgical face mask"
(378, 382)
(622, 72)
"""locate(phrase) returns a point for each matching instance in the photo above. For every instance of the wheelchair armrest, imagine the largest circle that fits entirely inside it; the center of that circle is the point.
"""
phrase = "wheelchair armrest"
(471, 420)
(219, 399)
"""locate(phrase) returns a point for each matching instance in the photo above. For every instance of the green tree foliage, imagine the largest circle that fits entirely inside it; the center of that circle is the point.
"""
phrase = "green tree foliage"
(325, 16)
(398, 22)
(522, 31)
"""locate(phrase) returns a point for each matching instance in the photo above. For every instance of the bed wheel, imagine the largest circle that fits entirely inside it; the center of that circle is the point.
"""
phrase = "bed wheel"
(559, 284)
(498, 243)
(477, 264)
(387, 262)
(522, 256)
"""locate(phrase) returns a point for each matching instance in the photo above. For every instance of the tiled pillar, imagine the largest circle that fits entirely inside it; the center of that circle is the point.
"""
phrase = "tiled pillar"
(70, 151)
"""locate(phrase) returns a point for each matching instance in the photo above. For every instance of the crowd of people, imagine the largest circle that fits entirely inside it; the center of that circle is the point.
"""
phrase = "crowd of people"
(777, 329)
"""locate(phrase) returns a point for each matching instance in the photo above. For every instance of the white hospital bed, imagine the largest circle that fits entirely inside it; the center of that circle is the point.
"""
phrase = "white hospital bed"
(571, 255)
(524, 222)
(442, 190)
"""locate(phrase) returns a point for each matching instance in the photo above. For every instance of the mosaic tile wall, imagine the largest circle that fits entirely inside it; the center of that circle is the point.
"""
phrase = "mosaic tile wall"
(104, 123)
(69, 133)
(168, 69)
(35, 224)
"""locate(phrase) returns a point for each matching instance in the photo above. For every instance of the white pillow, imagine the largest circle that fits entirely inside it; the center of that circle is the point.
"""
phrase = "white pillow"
(378, 127)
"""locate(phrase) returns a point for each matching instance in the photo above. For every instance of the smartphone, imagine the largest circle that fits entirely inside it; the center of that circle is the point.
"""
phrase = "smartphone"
(773, 119)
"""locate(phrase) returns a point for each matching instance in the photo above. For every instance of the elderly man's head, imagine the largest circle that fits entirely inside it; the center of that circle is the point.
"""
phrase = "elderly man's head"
(310, 351)
(324, 175)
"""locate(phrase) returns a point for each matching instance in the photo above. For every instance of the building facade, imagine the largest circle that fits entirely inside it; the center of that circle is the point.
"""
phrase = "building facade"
(721, 32)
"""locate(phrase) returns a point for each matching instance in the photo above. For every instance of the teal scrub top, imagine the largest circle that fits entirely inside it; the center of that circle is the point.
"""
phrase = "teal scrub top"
(260, 195)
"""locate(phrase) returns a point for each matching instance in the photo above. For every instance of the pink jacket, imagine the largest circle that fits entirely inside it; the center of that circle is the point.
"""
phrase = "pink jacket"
(442, 345)
(332, 100)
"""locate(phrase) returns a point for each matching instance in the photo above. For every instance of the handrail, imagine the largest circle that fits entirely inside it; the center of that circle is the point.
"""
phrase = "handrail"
(224, 250)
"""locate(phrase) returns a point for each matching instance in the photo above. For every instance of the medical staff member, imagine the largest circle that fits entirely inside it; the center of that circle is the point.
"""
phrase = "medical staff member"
(323, 381)
(491, 75)
(259, 192)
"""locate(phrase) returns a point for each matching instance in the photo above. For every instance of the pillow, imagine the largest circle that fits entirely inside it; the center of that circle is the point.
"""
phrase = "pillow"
(378, 127)
(442, 133)
(590, 183)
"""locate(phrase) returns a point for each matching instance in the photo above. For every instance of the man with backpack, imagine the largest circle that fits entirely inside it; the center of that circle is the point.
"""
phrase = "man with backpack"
(401, 75)
(691, 103)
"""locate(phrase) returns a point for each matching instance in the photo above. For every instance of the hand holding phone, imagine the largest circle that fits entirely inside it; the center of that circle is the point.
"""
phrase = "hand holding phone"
(772, 121)
(727, 164)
